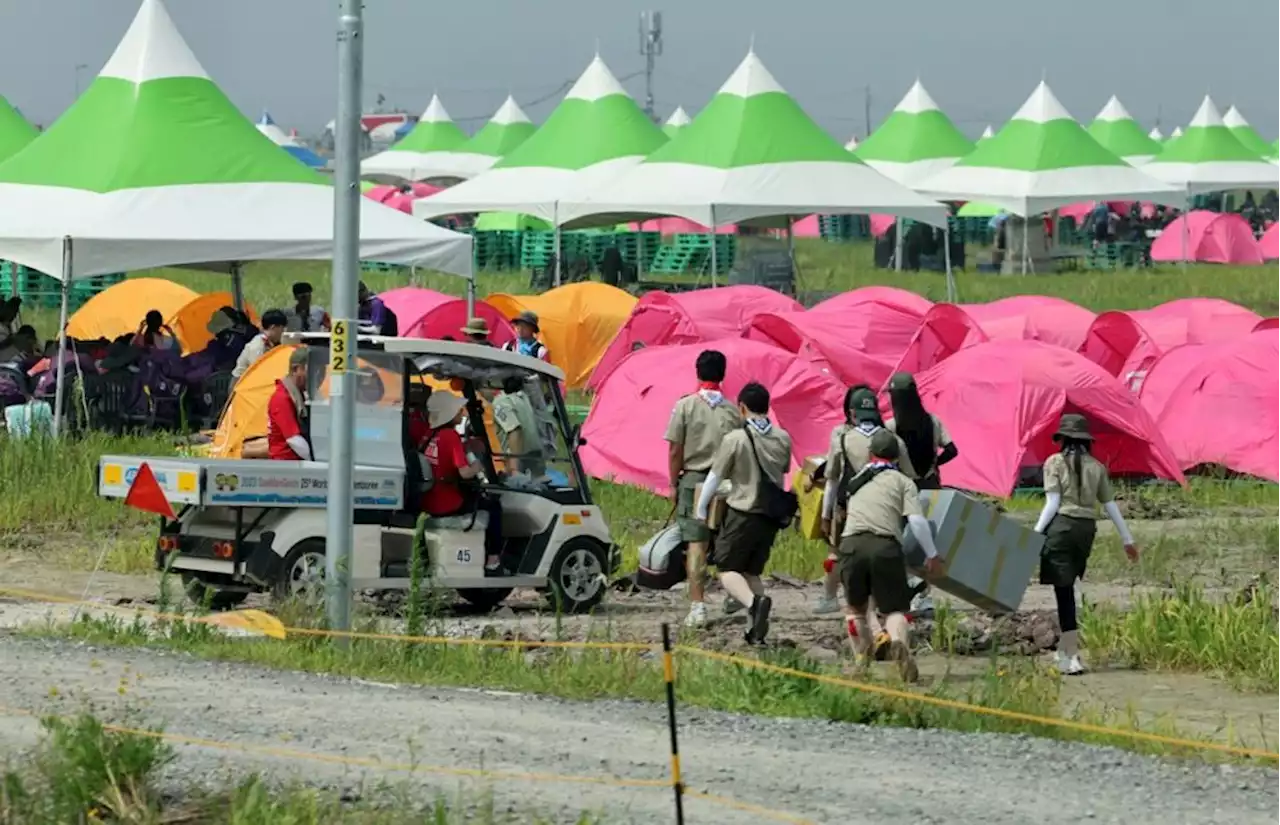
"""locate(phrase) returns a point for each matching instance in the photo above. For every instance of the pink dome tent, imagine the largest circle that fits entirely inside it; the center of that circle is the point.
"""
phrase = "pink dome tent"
(1118, 343)
(1033, 318)
(1269, 243)
(857, 336)
(679, 226)
(1080, 211)
(1210, 238)
(701, 316)
(807, 227)
(945, 330)
(1196, 321)
(624, 429)
(1219, 403)
(1001, 402)
(887, 296)
(1267, 323)
(425, 313)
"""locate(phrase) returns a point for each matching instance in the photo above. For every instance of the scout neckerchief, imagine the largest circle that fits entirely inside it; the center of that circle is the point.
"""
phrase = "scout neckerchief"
(709, 391)
(873, 468)
(760, 425)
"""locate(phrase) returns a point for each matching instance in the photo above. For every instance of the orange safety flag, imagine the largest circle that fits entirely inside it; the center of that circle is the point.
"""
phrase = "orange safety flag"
(146, 494)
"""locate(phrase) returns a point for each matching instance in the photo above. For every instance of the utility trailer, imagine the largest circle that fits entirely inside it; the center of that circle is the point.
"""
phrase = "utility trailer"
(248, 525)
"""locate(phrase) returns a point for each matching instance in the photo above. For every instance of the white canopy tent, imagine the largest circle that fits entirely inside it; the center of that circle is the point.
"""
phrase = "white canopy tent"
(196, 185)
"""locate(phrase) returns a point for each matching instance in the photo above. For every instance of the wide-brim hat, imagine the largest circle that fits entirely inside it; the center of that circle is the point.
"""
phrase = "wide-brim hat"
(1073, 425)
(442, 407)
(475, 326)
(528, 317)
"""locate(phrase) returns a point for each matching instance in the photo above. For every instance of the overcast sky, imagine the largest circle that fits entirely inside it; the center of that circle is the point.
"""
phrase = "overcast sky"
(978, 59)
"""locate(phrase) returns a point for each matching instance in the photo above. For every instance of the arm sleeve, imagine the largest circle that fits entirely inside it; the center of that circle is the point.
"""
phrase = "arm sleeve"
(299, 446)
(708, 492)
(949, 452)
(919, 526)
(1113, 513)
(829, 498)
(675, 425)
(1051, 503)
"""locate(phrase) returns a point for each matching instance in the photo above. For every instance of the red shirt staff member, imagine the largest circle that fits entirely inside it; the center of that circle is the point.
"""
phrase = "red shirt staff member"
(286, 410)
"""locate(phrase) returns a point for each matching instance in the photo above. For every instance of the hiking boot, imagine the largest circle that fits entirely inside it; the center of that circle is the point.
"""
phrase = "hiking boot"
(697, 615)
(760, 607)
(907, 669)
(1069, 665)
(822, 606)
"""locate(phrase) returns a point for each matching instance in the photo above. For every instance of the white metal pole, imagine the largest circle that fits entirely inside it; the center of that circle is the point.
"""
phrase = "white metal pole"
(1026, 227)
(897, 244)
(59, 392)
(346, 275)
(558, 245)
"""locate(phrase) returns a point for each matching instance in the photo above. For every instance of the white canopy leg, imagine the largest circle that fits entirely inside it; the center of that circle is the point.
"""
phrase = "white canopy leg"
(59, 393)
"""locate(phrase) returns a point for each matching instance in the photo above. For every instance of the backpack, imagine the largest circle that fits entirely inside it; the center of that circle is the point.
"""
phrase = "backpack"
(780, 506)
(662, 560)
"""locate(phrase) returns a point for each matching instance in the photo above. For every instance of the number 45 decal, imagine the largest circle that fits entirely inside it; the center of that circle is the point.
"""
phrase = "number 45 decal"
(464, 557)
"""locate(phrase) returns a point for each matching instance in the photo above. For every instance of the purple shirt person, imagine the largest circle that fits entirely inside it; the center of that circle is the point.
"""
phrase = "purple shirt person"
(374, 316)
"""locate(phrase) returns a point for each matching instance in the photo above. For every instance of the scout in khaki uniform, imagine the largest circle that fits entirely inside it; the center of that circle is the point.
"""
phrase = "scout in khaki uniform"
(518, 434)
(870, 560)
(928, 444)
(751, 457)
(848, 453)
(699, 422)
(1075, 484)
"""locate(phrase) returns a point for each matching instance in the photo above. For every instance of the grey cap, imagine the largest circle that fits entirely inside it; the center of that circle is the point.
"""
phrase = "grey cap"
(884, 444)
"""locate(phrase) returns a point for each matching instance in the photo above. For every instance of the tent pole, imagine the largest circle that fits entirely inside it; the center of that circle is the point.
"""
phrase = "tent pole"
(714, 262)
(237, 285)
(471, 295)
(897, 244)
(555, 219)
(791, 250)
(343, 345)
(1186, 229)
(1026, 226)
(59, 393)
(946, 257)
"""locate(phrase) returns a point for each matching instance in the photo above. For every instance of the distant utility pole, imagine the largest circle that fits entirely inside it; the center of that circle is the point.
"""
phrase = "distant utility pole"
(866, 112)
(650, 48)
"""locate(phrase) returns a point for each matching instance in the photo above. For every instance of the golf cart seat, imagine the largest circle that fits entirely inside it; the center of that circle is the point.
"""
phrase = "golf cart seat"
(463, 522)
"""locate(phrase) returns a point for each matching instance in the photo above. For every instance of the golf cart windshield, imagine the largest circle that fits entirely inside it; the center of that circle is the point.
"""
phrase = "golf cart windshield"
(526, 435)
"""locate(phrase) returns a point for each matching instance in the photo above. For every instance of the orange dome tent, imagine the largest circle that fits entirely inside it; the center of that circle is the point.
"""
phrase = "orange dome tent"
(191, 322)
(578, 322)
(119, 309)
(246, 414)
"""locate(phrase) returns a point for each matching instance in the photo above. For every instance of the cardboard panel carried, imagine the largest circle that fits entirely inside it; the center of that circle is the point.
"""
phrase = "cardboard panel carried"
(990, 558)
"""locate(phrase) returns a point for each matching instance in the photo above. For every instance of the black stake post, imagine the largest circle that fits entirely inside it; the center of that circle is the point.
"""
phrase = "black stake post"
(669, 676)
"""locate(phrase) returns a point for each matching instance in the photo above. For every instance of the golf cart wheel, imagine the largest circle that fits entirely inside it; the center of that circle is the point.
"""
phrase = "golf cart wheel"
(301, 572)
(211, 596)
(577, 579)
(485, 598)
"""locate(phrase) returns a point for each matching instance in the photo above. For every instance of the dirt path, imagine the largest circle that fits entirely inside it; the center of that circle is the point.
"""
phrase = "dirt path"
(821, 771)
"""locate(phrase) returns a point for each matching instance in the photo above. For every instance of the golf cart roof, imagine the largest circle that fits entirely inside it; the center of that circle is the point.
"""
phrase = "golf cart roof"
(443, 358)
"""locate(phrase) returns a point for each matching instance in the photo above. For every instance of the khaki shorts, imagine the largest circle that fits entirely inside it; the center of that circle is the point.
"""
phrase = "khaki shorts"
(691, 529)
(873, 567)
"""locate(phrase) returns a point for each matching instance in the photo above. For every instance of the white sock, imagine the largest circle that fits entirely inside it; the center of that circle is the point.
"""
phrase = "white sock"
(1069, 644)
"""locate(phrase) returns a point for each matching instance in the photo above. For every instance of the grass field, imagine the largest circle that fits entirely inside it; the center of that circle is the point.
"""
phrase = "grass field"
(84, 772)
(1213, 536)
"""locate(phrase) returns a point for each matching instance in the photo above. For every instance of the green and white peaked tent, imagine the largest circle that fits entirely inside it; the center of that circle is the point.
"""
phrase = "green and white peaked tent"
(15, 131)
(507, 129)
(1116, 129)
(987, 133)
(851, 145)
(678, 120)
(595, 133)
(1209, 158)
(916, 141)
(1156, 135)
(1043, 159)
(435, 131)
(751, 154)
(1245, 133)
(1176, 133)
(153, 166)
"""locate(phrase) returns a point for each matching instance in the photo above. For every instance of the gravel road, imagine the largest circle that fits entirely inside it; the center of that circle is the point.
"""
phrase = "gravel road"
(821, 771)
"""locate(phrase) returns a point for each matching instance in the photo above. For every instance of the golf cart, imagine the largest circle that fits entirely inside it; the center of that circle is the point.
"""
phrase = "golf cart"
(248, 525)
